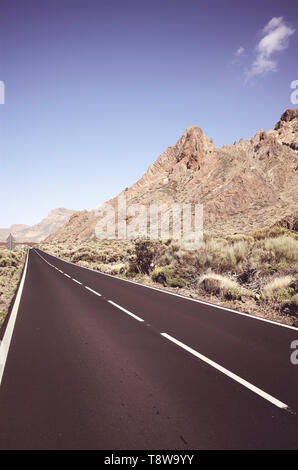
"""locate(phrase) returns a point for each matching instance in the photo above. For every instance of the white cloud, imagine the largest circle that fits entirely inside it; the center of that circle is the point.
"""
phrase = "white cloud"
(240, 51)
(238, 56)
(275, 39)
(272, 24)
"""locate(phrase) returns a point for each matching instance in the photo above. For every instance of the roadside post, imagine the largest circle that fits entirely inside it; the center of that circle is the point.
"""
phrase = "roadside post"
(10, 245)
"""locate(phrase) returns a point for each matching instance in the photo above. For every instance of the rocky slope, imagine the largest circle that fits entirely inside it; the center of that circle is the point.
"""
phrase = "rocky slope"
(24, 233)
(248, 185)
(15, 228)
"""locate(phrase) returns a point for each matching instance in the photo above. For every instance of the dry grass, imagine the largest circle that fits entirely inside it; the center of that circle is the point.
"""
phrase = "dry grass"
(280, 288)
(283, 248)
(294, 300)
(222, 286)
(277, 284)
(11, 264)
(272, 232)
(237, 267)
(282, 292)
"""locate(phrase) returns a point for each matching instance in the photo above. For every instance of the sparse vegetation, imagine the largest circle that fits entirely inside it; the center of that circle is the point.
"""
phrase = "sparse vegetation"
(280, 288)
(222, 286)
(167, 277)
(283, 248)
(11, 264)
(259, 269)
(144, 255)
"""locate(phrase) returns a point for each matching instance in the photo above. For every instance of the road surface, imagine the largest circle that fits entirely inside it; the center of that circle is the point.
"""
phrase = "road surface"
(96, 362)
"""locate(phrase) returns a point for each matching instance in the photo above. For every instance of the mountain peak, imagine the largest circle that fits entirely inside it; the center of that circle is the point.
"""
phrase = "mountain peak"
(249, 185)
(287, 128)
(194, 142)
(193, 130)
(60, 211)
(193, 133)
(288, 116)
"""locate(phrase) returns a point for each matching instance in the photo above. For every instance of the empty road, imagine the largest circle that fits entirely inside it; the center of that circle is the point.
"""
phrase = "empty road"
(96, 362)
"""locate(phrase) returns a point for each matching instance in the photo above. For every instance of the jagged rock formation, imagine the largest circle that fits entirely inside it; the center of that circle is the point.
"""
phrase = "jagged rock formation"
(248, 185)
(290, 222)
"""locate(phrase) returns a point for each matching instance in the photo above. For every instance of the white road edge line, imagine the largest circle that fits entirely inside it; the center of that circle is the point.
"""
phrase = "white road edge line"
(67, 275)
(248, 315)
(5, 343)
(126, 311)
(93, 291)
(78, 282)
(230, 374)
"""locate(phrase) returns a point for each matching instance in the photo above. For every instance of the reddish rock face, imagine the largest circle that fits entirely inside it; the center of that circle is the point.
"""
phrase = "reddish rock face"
(290, 222)
(252, 184)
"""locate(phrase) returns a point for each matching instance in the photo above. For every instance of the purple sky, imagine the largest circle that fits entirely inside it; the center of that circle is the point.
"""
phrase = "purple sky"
(96, 90)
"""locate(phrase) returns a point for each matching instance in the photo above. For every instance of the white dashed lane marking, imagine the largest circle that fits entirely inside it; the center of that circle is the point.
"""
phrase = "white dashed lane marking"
(227, 372)
(93, 291)
(195, 353)
(125, 311)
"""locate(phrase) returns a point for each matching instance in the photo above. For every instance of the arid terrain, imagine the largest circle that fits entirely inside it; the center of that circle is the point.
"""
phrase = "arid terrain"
(11, 265)
(24, 233)
(254, 273)
(249, 257)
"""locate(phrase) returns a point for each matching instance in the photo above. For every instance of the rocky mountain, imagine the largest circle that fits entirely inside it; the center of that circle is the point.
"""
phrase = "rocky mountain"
(24, 233)
(4, 232)
(250, 184)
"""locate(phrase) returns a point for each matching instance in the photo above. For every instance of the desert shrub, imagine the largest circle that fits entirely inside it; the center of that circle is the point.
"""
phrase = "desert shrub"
(166, 260)
(291, 305)
(247, 275)
(231, 255)
(272, 232)
(217, 284)
(8, 259)
(239, 237)
(130, 270)
(174, 247)
(283, 247)
(146, 252)
(10, 271)
(167, 277)
(117, 269)
(294, 300)
(88, 255)
(221, 256)
(225, 266)
(280, 288)
(2, 316)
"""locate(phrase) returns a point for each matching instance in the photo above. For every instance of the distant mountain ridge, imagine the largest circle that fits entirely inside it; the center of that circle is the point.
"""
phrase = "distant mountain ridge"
(35, 233)
(248, 185)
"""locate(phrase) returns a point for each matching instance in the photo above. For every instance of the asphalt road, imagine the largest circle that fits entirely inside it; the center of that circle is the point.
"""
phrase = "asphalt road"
(149, 371)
